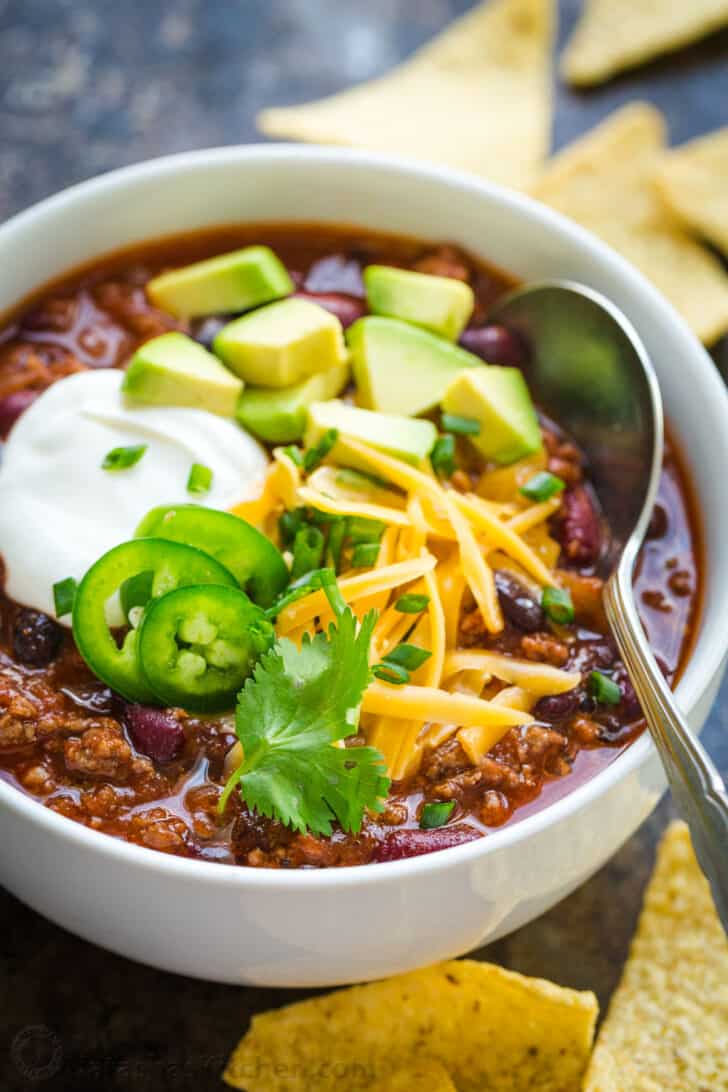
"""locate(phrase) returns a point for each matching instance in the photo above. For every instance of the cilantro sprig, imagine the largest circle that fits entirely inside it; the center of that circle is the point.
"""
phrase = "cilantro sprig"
(295, 706)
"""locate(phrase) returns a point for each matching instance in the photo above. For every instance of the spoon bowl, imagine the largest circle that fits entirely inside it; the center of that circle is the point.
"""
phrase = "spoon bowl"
(589, 370)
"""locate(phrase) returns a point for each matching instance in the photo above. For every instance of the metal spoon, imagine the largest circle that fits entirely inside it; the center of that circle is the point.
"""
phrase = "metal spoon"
(589, 370)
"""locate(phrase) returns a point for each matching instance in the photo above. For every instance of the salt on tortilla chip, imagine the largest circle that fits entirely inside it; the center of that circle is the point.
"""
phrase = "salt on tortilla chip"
(424, 1076)
(489, 1028)
(667, 1025)
(612, 35)
(605, 181)
(477, 97)
(693, 180)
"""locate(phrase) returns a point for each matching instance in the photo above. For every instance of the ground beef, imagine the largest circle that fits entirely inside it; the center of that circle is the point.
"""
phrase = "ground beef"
(544, 648)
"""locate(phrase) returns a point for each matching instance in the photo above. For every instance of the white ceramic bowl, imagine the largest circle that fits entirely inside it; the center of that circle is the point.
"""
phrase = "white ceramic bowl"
(328, 927)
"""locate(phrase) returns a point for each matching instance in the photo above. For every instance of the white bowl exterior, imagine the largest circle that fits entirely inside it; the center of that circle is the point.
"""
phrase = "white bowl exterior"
(305, 929)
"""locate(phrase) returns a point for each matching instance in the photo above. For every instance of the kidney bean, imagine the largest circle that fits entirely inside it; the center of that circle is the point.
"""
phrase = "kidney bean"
(337, 273)
(11, 407)
(629, 707)
(206, 330)
(414, 843)
(593, 653)
(579, 528)
(519, 608)
(157, 733)
(36, 638)
(495, 344)
(557, 706)
(346, 308)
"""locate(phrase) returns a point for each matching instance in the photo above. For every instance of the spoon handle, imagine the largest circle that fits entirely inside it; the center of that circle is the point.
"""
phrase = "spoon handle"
(698, 789)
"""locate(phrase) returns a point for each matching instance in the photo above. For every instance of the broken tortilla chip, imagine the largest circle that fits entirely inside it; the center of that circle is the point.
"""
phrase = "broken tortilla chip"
(424, 1076)
(667, 1025)
(693, 180)
(605, 181)
(477, 97)
(615, 34)
(489, 1028)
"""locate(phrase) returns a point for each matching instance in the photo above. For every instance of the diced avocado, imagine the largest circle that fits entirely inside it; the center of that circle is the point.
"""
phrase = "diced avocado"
(279, 416)
(173, 370)
(440, 304)
(279, 345)
(500, 400)
(406, 438)
(400, 368)
(223, 285)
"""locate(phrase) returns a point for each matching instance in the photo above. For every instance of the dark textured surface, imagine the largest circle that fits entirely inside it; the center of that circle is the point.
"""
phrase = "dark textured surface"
(87, 85)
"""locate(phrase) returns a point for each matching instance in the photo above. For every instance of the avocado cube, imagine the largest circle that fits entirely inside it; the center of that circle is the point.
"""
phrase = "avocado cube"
(279, 416)
(440, 304)
(405, 438)
(500, 400)
(400, 368)
(282, 344)
(223, 285)
(173, 370)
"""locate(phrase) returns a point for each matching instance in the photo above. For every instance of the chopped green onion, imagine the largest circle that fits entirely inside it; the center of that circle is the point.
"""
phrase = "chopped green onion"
(436, 814)
(412, 603)
(462, 426)
(136, 591)
(542, 486)
(409, 656)
(337, 534)
(391, 673)
(360, 529)
(289, 523)
(603, 689)
(294, 453)
(308, 551)
(557, 605)
(365, 555)
(64, 592)
(318, 453)
(296, 590)
(200, 479)
(121, 458)
(326, 579)
(442, 455)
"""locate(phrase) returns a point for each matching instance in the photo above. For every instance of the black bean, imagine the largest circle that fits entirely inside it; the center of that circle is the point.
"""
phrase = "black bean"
(495, 344)
(519, 607)
(557, 706)
(36, 638)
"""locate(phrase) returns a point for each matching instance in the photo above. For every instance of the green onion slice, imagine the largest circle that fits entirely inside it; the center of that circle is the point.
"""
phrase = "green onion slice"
(318, 453)
(412, 603)
(64, 592)
(442, 455)
(409, 656)
(365, 555)
(436, 814)
(121, 458)
(461, 426)
(557, 605)
(603, 689)
(294, 453)
(542, 486)
(308, 551)
(200, 479)
(391, 673)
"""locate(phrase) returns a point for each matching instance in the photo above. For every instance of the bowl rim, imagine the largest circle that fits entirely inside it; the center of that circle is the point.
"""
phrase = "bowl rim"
(627, 762)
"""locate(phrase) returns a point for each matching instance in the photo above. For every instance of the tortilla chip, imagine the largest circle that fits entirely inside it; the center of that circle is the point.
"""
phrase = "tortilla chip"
(477, 97)
(667, 1026)
(693, 180)
(605, 181)
(489, 1028)
(424, 1076)
(615, 34)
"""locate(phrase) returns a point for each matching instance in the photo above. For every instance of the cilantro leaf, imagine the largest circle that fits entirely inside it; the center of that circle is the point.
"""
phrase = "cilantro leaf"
(296, 705)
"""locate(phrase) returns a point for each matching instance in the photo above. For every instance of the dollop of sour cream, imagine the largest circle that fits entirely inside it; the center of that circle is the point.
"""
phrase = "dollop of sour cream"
(59, 511)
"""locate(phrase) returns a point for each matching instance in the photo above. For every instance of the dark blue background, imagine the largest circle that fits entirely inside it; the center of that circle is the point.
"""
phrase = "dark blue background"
(88, 85)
